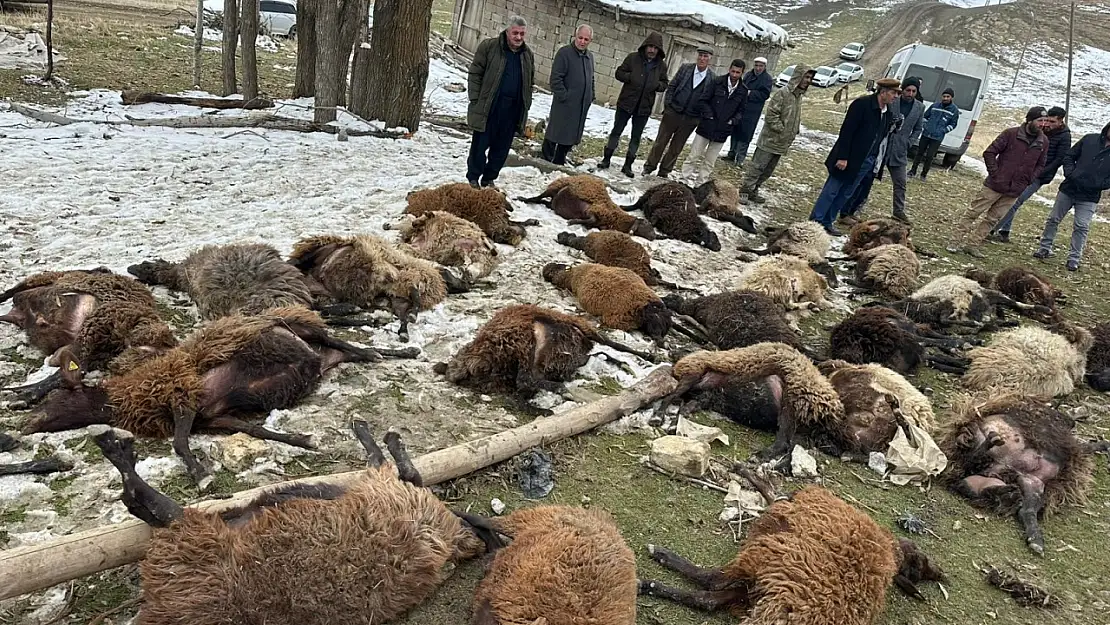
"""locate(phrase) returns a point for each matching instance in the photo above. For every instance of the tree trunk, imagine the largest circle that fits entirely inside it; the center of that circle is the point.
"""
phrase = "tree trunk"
(49, 42)
(350, 12)
(198, 43)
(248, 34)
(359, 101)
(230, 43)
(305, 83)
(327, 58)
(399, 61)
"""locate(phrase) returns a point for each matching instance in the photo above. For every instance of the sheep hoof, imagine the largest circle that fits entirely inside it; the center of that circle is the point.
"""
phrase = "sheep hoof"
(1037, 546)
(650, 549)
(205, 482)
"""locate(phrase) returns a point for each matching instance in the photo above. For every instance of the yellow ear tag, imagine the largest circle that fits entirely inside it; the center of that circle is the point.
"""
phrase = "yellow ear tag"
(72, 366)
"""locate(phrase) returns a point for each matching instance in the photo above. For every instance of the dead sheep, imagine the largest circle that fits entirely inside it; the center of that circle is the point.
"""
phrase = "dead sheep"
(1098, 358)
(525, 348)
(617, 296)
(584, 200)
(488, 208)
(1034, 361)
(223, 280)
(875, 232)
(887, 337)
(809, 559)
(672, 210)
(956, 300)
(720, 200)
(1016, 456)
(364, 552)
(368, 272)
(1021, 284)
(737, 318)
(565, 566)
(806, 240)
(93, 318)
(788, 281)
(232, 366)
(450, 241)
(616, 249)
(891, 269)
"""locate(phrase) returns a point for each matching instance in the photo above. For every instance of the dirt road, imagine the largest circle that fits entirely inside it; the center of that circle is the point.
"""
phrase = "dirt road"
(904, 26)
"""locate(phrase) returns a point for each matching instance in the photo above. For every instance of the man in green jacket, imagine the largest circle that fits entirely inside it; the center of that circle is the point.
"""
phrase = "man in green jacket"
(781, 122)
(500, 89)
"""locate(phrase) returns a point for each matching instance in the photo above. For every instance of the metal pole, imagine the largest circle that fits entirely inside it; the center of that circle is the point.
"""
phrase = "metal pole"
(1071, 54)
(1025, 47)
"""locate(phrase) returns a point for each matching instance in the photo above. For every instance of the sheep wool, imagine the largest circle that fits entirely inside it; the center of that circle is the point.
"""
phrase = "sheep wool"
(805, 239)
(1098, 358)
(615, 295)
(892, 269)
(452, 241)
(1028, 360)
(486, 207)
(875, 232)
(614, 249)
(876, 382)
(787, 280)
(565, 566)
(737, 318)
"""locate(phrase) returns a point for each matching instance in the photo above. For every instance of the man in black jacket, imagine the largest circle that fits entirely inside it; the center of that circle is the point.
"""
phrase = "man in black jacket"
(1086, 176)
(684, 99)
(644, 74)
(758, 83)
(723, 111)
(860, 148)
(1059, 142)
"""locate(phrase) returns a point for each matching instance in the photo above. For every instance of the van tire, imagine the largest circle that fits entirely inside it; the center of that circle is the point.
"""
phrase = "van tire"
(950, 160)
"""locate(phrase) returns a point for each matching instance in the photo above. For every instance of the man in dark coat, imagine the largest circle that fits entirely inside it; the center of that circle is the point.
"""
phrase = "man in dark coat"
(644, 75)
(683, 101)
(1059, 142)
(860, 148)
(722, 112)
(758, 83)
(500, 88)
(572, 89)
(1012, 160)
(1086, 176)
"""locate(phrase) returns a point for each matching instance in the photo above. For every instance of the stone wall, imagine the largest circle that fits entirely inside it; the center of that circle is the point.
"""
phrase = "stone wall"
(551, 25)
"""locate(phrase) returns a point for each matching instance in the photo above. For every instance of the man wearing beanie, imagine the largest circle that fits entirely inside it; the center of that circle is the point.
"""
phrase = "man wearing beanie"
(1012, 161)
(940, 119)
(1059, 142)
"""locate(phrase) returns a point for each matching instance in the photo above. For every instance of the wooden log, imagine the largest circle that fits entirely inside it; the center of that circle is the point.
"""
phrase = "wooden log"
(132, 96)
(35, 567)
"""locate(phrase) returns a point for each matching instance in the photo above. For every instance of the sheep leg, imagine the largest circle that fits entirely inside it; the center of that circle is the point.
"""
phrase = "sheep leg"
(406, 470)
(543, 198)
(751, 250)
(710, 579)
(1097, 447)
(36, 467)
(765, 487)
(588, 222)
(948, 364)
(234, 424)
(907, 586)
(1032, 502)
(684, 386)
(183, 419)
(141, 499)
(374, 456)
(34, 392)
(694, 325)
(353, 322)
(620, 347)
(483, 528)
(525, 223)
(705, 600)
(784, 437)
(342, 309)
(455, 284)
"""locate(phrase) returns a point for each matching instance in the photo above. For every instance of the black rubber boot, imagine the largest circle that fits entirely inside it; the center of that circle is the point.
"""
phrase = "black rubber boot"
(604, 164)
(627, 169)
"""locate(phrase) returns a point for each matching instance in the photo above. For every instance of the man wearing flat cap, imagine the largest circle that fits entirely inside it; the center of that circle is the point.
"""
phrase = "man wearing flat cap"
(684, 101)
(861, 148)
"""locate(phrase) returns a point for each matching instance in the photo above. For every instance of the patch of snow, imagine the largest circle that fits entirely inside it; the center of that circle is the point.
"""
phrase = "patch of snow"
(974, 4)
(262, 42)
(739, 22)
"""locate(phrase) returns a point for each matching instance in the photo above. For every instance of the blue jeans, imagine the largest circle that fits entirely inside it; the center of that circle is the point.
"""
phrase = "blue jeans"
(836, 193)
(1084, 212)
(1008, 220)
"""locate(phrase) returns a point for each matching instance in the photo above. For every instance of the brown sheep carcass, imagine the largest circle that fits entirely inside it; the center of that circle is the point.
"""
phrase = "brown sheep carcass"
(584, 200)
(618, 296)
(1016, 456)
(451, 241)
(1098, 358)
(720, 200)
(1022, 284)
(88, 319)
(525, 348)
(810, 559)
(616, 249)
(875, 232)
(232, 366)
(565, 566)
(364, 552)
(368, 272)
(241, 278)
(486, 207)
(887, 337)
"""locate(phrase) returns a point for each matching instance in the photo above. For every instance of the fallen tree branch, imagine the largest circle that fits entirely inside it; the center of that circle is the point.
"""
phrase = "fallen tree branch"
(132, 96)
(35, 567)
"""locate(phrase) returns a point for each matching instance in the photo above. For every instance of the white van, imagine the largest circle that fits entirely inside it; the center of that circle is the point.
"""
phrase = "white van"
(968, 75)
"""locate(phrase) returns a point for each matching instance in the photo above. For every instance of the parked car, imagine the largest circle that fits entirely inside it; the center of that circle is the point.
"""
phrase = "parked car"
(848, 72)
(784, 77)
(853, 51)
(275, 17)
(826, 76)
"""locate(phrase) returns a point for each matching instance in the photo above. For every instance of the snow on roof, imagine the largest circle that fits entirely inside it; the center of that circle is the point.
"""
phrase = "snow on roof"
(743, 24)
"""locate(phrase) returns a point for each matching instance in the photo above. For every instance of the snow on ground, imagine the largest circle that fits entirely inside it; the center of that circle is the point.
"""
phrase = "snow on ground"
(974, 4)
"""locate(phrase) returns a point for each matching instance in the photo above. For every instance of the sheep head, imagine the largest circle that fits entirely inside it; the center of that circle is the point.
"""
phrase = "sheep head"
(913, 567)
(643, 229)
(556, 273)
(826, 270)
(655, 321)
(151, 271)
(675, 303)
(72, 405)
(708, 239)
(984, 278)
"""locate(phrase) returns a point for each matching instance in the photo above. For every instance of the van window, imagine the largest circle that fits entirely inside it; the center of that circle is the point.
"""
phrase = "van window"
(934, 81)
(893, 69)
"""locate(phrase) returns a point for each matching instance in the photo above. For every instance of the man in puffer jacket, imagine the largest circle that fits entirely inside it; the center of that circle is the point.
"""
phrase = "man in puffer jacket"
(940, 119)
(781, 124)
(1086, 176)
(1059, 142)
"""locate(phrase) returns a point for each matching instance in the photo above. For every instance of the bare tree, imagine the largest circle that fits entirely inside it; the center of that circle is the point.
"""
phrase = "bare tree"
(198, 43)
(327, 58)
(351, 18)
(305, 83)
(359, 100)
(398, 62)
(248, 34)
(230, 43)
(49, 42)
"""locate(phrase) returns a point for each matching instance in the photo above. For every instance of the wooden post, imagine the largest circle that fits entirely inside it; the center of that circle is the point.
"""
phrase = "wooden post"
(1071, 55)
(49, 42)
(198, 43)
(35, 567)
